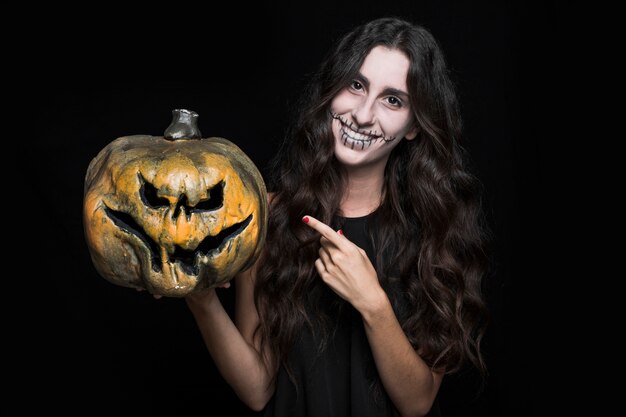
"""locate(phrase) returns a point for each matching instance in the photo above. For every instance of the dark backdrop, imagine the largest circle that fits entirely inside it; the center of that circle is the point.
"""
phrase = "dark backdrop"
(106, 348)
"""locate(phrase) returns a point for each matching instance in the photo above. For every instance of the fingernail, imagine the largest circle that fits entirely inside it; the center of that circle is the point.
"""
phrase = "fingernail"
(340, 232)
(305, 219)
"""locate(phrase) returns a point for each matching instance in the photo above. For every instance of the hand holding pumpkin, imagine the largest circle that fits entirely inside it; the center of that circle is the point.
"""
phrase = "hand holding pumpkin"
(193, 294)
(200, 299)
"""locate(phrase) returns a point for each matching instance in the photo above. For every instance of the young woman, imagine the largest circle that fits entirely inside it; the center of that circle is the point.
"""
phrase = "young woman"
(369, 288)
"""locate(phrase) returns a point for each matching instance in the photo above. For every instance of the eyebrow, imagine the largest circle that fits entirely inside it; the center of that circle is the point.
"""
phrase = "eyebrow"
(387, 91)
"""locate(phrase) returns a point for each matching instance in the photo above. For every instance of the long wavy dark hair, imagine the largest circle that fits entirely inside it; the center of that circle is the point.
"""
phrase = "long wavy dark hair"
(434, 235)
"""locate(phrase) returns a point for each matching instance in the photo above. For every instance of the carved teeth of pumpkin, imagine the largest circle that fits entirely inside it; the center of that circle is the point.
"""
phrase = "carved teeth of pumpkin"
(188, 260)
(167, 267)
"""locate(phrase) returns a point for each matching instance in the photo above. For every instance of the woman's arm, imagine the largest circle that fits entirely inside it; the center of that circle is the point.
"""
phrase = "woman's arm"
(410, 383)
(233, 348)
(408, 380)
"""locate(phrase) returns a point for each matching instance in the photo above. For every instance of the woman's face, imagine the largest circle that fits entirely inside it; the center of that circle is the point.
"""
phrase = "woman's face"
(373, 114)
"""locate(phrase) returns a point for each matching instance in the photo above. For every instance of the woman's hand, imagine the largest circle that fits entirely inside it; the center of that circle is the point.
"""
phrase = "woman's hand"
(196, 297)
(200, 299)
(345, 267)
(156, 296)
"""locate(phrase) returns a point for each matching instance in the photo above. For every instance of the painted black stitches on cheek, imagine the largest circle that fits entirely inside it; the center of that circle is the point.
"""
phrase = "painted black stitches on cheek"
(351, 125)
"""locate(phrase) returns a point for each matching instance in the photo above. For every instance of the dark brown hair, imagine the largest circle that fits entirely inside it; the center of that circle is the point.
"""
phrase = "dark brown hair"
(429, 225)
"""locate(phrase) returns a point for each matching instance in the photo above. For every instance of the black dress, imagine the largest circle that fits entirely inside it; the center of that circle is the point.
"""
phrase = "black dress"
(341, 380)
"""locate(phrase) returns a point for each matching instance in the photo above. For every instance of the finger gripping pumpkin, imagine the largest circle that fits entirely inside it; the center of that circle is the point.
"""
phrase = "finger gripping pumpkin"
(173, 214)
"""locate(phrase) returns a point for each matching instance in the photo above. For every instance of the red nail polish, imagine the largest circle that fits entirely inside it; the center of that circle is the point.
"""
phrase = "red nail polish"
(340, 232)
(305, 219)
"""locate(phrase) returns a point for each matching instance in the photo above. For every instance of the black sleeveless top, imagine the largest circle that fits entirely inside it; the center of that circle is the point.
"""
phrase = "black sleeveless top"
(341, 380)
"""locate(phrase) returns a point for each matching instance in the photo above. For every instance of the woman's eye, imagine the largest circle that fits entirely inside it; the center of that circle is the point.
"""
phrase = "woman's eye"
(355, 85)
(394, 101)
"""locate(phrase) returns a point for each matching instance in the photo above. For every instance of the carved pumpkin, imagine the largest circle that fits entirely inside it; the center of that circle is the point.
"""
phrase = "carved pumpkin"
(173, 214)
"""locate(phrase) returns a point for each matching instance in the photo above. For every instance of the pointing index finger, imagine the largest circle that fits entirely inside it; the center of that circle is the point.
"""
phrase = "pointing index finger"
(324, 229)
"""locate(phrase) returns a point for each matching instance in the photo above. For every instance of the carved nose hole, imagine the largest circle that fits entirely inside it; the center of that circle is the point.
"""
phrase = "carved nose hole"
(213, 202)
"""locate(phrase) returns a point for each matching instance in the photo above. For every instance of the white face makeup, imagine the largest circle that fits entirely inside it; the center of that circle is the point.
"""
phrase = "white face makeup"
(372, 114)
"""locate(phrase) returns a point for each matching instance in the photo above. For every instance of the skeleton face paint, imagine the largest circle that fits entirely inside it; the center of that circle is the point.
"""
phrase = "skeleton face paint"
(354, 137)
(372, 114)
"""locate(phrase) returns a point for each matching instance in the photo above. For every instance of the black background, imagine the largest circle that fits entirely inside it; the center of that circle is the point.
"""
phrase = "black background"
(100, 347)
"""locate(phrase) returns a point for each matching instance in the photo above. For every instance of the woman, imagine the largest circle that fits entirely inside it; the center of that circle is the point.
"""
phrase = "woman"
(368, 290)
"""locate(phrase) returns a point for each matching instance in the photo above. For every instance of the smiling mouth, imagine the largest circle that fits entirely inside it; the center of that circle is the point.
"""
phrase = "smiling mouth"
(357, 139)
(187, 259)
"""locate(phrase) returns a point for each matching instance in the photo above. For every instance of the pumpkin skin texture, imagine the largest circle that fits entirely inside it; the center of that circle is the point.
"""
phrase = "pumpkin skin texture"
(173, 216)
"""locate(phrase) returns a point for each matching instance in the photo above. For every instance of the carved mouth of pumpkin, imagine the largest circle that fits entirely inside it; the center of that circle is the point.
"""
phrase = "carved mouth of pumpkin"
(187, 259)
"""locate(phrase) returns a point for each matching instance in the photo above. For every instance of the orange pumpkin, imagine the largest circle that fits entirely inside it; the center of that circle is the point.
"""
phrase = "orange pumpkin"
(173, 214)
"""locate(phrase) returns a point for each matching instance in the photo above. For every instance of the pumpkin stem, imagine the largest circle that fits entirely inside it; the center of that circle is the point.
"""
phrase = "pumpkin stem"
(184, 125)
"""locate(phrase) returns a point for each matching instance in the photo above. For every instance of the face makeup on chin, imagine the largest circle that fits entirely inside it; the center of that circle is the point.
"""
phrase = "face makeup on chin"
(373, 114)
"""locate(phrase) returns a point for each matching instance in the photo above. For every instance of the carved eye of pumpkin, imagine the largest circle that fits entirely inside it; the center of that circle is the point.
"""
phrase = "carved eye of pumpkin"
(173, 214)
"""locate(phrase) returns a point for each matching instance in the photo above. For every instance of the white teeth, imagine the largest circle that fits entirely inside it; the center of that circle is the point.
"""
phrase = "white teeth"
(356, 136)
(356, 140)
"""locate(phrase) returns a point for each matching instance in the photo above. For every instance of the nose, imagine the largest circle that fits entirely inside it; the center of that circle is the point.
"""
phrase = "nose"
(363, 114)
